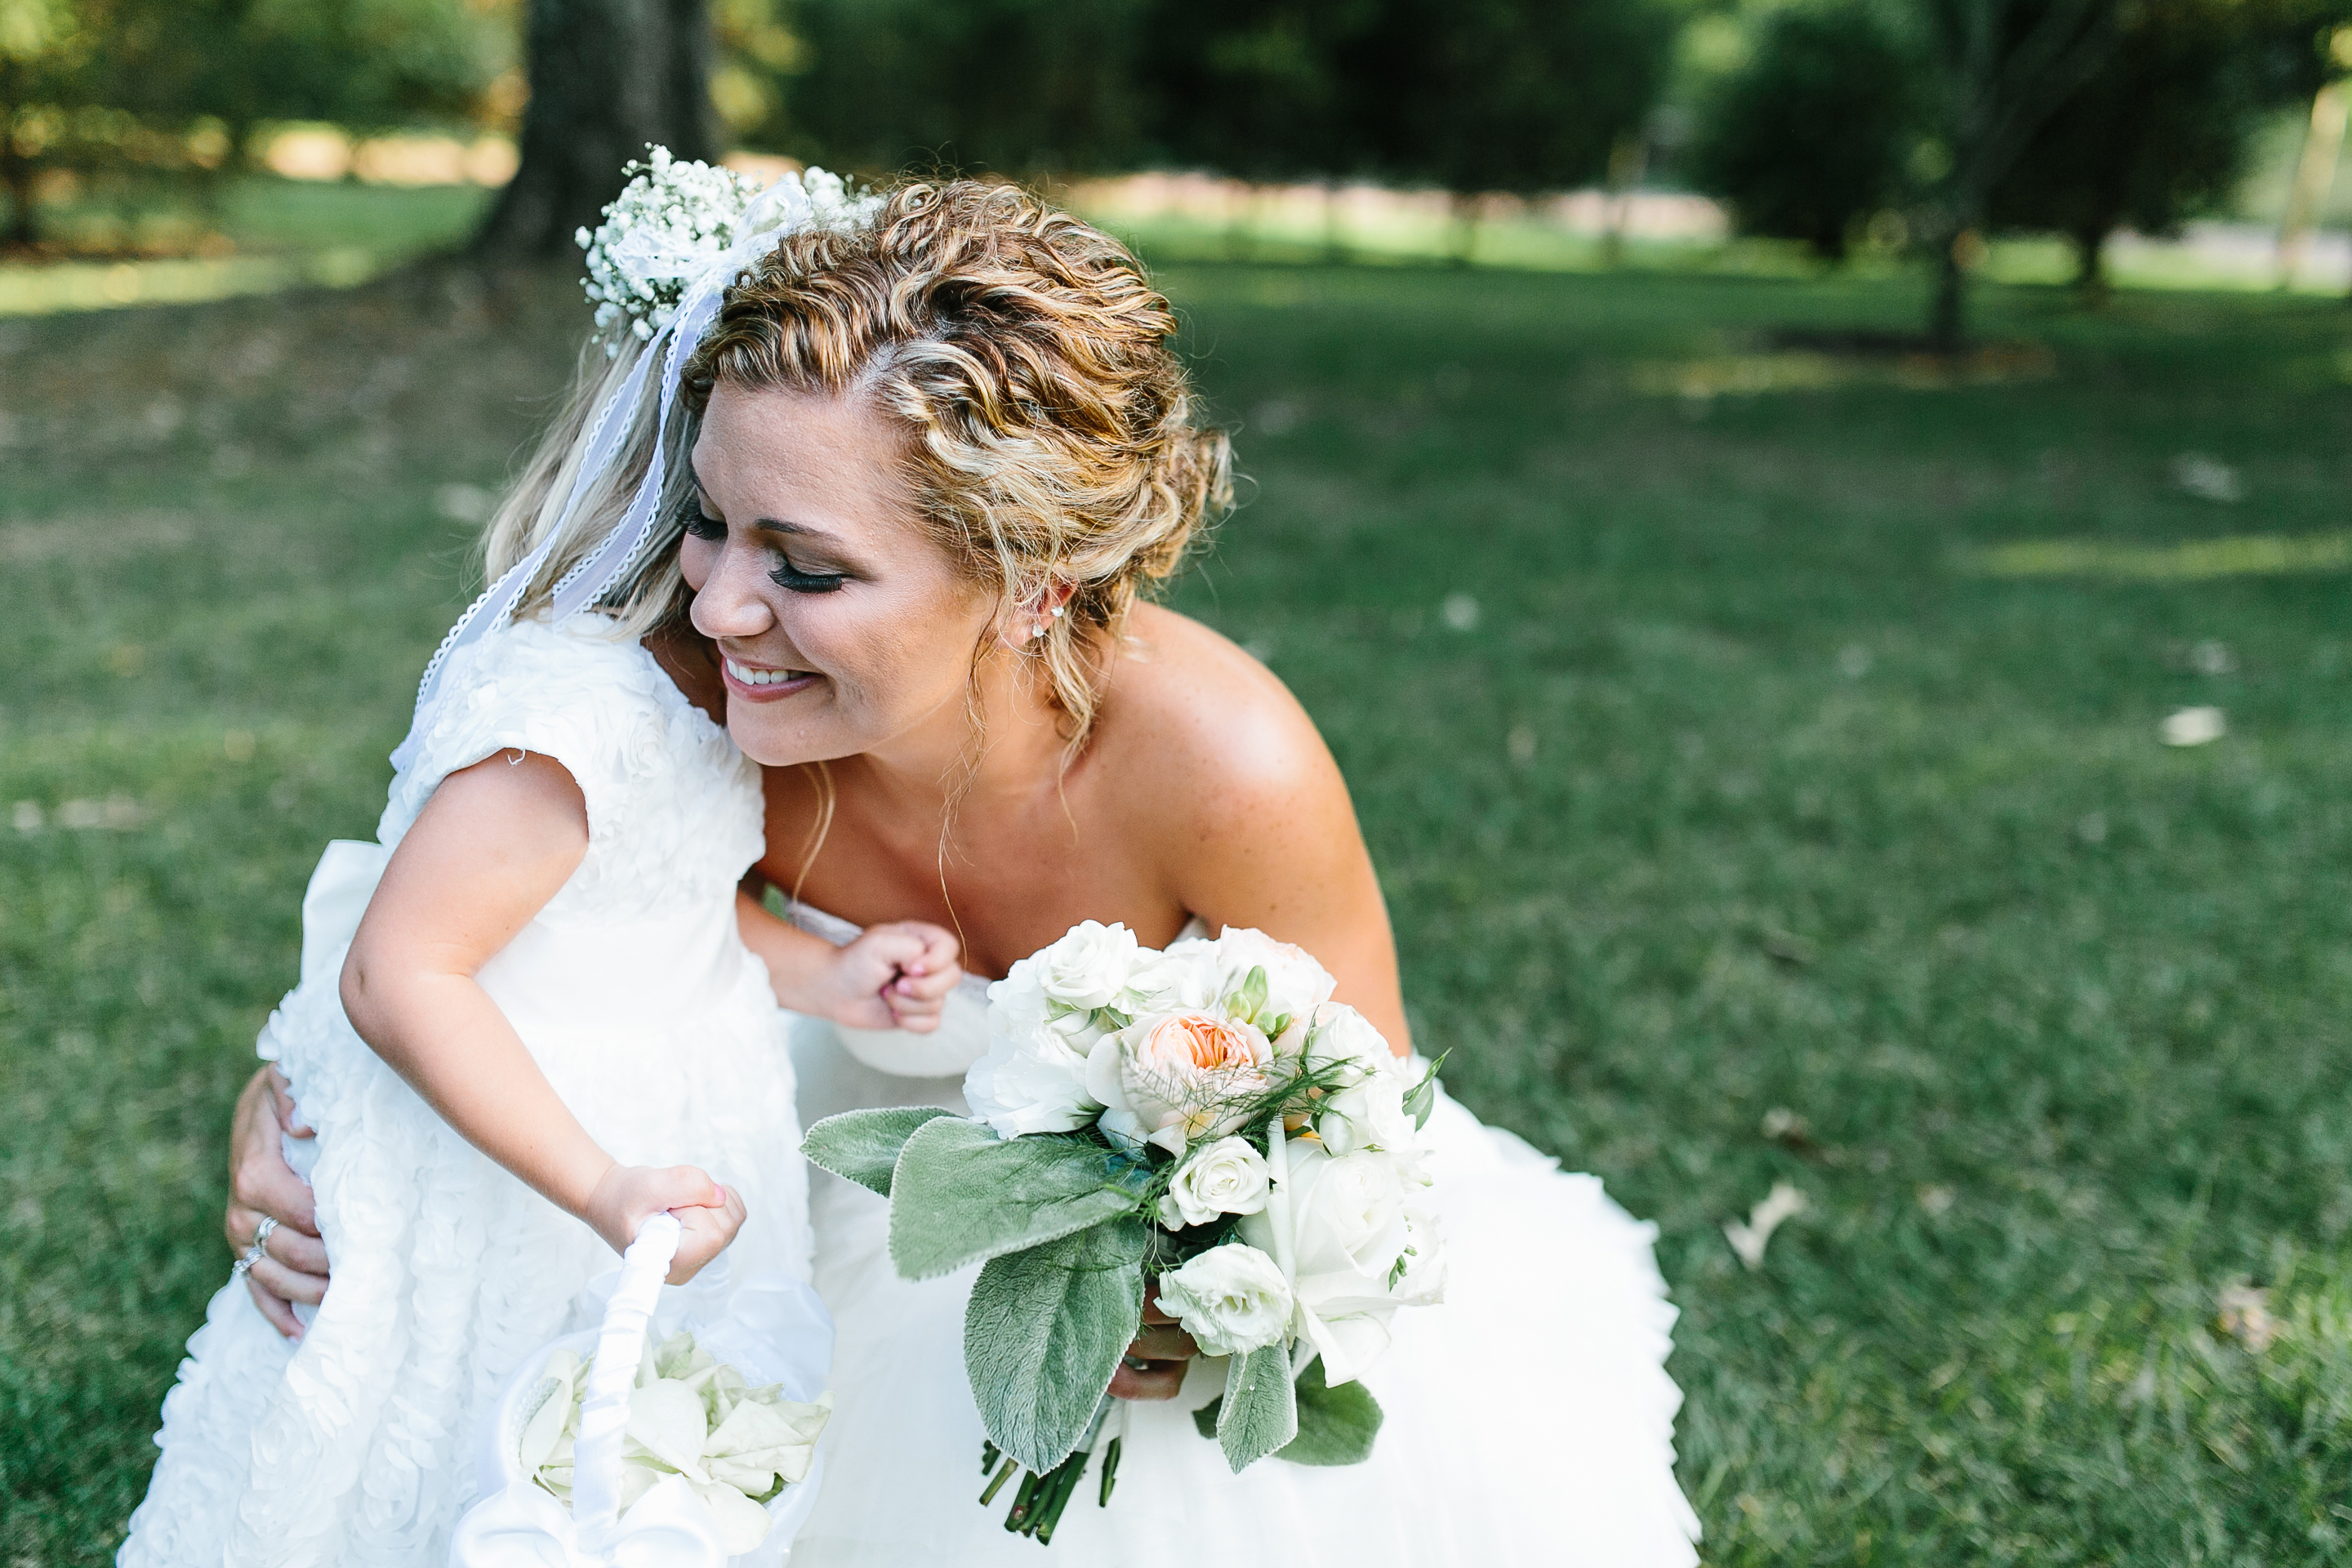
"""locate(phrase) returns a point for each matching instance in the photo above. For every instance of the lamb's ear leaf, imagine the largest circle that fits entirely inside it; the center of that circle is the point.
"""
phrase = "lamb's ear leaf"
(960, 1194)
(1044, 1333)
(862, 1145)
(1204, 1419)
(1261, 1412)
(1336, 1426)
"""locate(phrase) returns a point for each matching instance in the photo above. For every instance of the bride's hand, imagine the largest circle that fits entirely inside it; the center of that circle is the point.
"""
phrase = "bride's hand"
(1156, 1363)
(895, 975)
(262, 1185)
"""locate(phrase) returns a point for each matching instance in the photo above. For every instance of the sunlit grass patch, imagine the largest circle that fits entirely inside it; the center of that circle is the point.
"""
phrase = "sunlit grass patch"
(2195, 560)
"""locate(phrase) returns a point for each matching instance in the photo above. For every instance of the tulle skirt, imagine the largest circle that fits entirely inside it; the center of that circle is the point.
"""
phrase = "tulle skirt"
(1529, 1419)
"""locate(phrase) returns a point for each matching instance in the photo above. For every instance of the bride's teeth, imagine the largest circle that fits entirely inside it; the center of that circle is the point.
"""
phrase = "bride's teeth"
(763, 677)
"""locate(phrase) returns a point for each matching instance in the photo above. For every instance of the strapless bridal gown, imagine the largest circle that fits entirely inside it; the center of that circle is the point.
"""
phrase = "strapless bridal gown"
(1531, 1418)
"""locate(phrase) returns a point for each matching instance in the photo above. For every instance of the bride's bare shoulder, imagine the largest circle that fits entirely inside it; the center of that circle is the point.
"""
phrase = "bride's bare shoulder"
(1190, 719)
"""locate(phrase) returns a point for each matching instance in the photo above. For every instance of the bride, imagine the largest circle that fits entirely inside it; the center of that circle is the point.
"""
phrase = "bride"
(940, 458)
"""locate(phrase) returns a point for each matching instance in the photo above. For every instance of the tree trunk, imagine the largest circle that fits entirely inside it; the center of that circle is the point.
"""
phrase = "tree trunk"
(24, 229)
(607, 78)
(1467, 209)
(2090, 263)
(2314, 172)
(1948, 319)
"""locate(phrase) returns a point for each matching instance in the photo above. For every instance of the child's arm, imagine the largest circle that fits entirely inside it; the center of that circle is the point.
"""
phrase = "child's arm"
(493, 845)
(894, 976)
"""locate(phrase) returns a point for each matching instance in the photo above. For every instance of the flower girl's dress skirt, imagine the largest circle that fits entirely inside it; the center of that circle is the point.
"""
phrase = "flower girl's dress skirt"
(635, 995)
(1529, 1419)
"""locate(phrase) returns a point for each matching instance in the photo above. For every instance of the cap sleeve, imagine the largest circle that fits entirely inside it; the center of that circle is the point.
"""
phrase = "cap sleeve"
(574, 693)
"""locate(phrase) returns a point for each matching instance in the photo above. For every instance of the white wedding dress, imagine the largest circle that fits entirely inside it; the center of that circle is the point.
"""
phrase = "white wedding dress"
(632, 990)
(1529, 1419)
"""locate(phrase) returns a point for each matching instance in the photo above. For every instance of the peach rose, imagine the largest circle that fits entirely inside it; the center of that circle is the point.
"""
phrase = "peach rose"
(1171, 1078)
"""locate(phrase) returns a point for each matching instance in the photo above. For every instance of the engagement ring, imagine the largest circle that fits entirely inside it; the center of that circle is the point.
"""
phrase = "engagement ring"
(257, 1251)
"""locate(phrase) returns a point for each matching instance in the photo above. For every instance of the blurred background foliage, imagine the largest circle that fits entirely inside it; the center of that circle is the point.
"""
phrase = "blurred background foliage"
(1910, 127)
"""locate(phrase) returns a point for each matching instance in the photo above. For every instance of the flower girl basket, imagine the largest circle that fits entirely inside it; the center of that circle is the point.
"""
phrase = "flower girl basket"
(772, 1329)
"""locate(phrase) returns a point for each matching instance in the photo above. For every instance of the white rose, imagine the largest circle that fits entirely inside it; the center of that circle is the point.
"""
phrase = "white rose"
(1420, 1269)
(1184, 979)
(1034, 1080)
(1295, 983)
(1334, 1035)
(1368, 1114)
(1220, 1178)
(1346, 1230)
(1171, 1078)
(1231, 1299)
(1089, 967)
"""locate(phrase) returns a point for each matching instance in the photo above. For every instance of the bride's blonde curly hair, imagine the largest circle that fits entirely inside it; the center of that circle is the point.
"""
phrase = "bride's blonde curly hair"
(1049, 423)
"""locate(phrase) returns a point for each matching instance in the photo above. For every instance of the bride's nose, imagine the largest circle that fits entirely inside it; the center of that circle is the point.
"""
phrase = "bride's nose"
(731, 604)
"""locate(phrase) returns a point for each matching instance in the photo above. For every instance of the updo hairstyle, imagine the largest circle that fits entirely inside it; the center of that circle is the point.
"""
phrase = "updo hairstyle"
(1049, 424)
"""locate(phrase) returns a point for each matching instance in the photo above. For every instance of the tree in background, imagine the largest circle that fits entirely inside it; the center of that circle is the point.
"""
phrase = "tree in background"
(1012, 86)
(607, 77)
(2164, 127)
(46, 54)
(1519, 96)
(119, 89)
(1815, 131)
(1997, 69)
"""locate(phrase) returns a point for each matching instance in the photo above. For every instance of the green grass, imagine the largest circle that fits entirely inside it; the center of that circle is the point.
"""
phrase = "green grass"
(1745, 795)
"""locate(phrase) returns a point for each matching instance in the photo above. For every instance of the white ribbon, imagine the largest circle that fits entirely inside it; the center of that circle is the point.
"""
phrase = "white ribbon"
(776, 212)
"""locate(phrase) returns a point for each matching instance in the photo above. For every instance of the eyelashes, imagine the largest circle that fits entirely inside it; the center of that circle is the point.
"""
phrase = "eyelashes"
(785, 574)
(796, 581)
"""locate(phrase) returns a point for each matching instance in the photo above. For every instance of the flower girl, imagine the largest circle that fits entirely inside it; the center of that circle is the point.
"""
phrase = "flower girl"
(544, 1027)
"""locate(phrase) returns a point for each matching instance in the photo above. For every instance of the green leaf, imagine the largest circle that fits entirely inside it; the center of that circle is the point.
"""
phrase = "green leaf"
(959, 1193)
(862, 1145)
(1043, 1335)
(1336, 1426)
(1261, 1413)
(1422, 1099)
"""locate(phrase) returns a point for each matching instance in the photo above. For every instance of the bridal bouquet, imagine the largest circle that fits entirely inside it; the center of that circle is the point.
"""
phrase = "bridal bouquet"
(1204, 1115)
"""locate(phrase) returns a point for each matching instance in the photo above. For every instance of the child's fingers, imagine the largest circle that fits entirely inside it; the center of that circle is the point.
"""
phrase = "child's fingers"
(929, 989)
(915, 1018)
(680, 1188)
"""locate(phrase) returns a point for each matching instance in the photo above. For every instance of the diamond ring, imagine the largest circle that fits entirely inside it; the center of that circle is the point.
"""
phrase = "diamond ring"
(257, 1251)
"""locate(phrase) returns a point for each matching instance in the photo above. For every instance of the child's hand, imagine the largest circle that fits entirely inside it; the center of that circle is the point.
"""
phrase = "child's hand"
(628, 1195)
(894, 976)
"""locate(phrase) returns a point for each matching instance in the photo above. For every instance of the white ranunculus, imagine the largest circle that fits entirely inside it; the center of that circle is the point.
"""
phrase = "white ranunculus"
(1089, 968)
(1169, 1079)
(1293, 981)
(1233, 1299)
(1030, 1081)
(1224, 1177)
(1346, 1230)
(1368, 1114)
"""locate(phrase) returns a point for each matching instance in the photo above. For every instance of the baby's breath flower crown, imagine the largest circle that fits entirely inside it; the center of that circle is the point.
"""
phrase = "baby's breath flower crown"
(673, 218)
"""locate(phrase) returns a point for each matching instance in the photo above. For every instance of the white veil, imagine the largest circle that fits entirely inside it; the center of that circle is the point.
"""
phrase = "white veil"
(781, 209)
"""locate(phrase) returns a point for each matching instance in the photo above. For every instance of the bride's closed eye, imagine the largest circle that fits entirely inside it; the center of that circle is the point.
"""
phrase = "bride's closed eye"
(701, 525)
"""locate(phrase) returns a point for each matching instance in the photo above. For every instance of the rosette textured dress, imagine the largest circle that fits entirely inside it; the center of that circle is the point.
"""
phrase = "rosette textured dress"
(1530, 1418)
(634, 994)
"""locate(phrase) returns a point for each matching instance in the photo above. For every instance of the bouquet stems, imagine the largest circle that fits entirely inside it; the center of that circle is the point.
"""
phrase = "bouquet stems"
(1038, 1503)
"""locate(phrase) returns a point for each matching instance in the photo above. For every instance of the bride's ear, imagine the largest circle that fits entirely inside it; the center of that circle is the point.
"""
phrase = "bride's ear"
(1030, 617)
